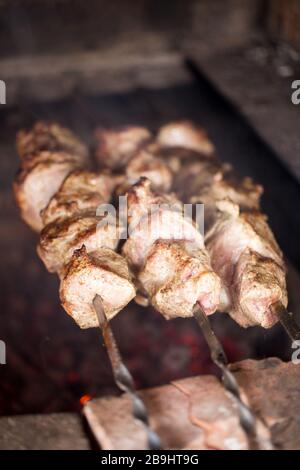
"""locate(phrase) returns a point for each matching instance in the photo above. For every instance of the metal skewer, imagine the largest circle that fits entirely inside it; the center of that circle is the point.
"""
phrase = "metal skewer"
(246, 416)
(122, 376)
(287, 320)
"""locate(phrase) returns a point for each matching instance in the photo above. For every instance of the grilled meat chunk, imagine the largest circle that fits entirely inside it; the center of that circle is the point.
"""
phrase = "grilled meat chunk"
(51, 137)
(245, 255)
(153, 217)
(115, 147)
(185, 134)
(102, 272)
(258, 282)
(60, 239)
(81, 190)
(168, 255)
(145, 163)
(38, 181)
(141, 199)
(161, 224)
(176, 275)
(206, 180)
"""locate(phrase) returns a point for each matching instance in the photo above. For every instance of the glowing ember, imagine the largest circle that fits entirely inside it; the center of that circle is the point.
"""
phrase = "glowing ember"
(84, 399)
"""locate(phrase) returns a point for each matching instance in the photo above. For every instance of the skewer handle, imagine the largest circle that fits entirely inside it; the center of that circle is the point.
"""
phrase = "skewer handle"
(122, 376)
(218, 355)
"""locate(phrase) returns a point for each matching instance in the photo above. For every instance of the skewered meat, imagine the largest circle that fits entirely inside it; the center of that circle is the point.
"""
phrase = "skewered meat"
(145, 163)
(51, 137)
(38, 180)
(153, 217)
(115, 147)
(242, 247)
(165, 249)
(48, 153)
(141, 198)
(246, 256)
(81, 190)
(258, 283)
(185, 134)
(161, 224)
(102, 272)
(61, 238)
(176, 275)
(206, 180)
(167, 252)
(71, 223)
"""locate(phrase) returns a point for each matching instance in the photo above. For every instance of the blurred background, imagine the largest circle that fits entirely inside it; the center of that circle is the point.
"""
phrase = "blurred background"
(226, 64)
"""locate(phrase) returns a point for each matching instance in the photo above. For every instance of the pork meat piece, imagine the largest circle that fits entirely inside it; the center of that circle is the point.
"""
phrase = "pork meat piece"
(185, 134)
(145, 163)
(258, 282)
(38, 181)
(245, 255)
(115, 147)
(51, 137)
(176, 275)
(153, 217)
(141, 198)
(102, 272)
(60, 239)
(81, 190)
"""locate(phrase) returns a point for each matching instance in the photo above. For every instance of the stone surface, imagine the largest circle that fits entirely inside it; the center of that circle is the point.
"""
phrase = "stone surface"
(273, 390)
(57, 431)
(196, 413)
(192, 413)
(258, 80)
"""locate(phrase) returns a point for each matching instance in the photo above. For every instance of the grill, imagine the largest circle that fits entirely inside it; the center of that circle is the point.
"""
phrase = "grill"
(149, 68)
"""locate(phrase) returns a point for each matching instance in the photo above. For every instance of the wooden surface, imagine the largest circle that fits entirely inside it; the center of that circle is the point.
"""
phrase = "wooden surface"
(196, 413)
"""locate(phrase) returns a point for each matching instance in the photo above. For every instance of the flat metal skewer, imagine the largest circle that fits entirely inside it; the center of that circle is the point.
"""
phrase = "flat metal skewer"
(246, 416)
(287, 319)
(122, 376)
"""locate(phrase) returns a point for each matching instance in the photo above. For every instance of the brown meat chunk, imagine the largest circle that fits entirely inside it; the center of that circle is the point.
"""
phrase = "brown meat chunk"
(153, 217)
(144, 163)
(115, 147)
(245, 255)
(258, 283)
(162, 224)
(176, 275)
(185, 134)
(38, 181)
(141, 198)
(60, 239)
(103, 272)
(51, 137)
(81, 190)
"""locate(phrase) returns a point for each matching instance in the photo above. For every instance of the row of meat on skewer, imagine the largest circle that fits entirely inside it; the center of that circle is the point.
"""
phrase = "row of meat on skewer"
(236, 266)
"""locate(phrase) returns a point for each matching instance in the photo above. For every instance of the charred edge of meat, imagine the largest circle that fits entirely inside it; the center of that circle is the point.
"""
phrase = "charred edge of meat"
(49, 137)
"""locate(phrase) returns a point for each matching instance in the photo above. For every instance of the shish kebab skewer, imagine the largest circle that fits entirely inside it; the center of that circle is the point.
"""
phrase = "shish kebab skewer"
(69, 220)
(242, 247)
(185, 288)
(172, 266)
(257, 294)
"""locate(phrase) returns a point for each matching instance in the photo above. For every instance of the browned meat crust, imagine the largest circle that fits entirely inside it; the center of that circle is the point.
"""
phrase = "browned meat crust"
(103, 272)
(115, 147)
(51, 137)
